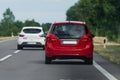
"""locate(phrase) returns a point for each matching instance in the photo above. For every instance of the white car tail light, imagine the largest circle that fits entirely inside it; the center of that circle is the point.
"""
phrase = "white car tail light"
(21, 35)
(42, 35)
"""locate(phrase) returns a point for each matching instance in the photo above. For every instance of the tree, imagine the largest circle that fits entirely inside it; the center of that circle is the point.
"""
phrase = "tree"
(7, 23)
(8, 17)
(101, 16)
(46, 26)
(17, 27)
(31, 23)
(72, 14)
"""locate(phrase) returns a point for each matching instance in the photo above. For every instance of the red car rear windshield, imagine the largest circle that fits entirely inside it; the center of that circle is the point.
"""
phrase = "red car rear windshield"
(69, 31)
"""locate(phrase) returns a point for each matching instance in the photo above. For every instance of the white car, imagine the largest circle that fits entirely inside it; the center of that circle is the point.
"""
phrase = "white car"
(31, 36)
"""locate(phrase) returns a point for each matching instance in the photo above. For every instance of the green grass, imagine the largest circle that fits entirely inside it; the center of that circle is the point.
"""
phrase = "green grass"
(111, 52)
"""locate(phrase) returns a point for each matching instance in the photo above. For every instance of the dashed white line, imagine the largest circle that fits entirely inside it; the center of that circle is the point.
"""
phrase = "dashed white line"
(103, 71)
(8, 56)
(96, 65)
(17, 51)
(4, 58)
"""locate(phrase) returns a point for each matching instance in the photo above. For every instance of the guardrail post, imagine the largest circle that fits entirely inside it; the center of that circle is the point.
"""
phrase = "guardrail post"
(104, 46)
(12, 34)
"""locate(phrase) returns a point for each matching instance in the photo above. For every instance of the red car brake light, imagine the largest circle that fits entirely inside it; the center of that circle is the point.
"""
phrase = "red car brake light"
(86, 38)
(51, 37)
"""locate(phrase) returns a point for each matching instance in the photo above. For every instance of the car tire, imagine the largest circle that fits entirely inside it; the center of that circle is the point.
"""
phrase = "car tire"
(19, 47)
(89, 61)
(48, 60)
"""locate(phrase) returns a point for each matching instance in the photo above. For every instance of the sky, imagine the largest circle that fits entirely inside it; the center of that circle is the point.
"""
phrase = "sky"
(42, 11)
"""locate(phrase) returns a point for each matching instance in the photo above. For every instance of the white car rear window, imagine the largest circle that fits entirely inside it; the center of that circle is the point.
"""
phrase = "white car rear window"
(32, 30)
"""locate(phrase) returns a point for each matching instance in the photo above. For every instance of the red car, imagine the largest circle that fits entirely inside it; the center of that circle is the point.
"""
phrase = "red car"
(69, 40)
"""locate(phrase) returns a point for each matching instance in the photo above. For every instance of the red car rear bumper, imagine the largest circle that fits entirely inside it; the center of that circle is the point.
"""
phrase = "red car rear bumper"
(84, 52)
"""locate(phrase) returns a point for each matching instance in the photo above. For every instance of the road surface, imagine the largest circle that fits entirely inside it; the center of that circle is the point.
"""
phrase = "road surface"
(28, 64)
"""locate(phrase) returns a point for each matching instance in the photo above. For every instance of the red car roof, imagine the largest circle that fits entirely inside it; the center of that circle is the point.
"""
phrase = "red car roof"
(75, 22)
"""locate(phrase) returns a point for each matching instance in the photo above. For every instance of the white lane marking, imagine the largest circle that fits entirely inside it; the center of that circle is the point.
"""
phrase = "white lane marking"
(4, 58)
(17, 51)
(104, 72)
(8, 56)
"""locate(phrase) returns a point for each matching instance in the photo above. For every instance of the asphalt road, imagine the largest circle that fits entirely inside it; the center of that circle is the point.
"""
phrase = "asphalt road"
(28, 64)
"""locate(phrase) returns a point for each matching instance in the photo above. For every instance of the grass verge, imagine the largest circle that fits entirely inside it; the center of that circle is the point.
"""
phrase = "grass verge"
(111, 52)
(5, 38)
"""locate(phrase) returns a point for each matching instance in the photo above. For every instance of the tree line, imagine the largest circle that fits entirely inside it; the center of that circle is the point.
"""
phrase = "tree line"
(102, 16)
(9, 26)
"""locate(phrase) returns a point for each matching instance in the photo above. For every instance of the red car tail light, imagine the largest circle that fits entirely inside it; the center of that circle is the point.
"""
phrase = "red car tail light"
(87, 38)
(52, 38)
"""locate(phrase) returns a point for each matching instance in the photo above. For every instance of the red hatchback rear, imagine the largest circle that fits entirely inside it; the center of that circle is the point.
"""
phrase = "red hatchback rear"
(69, 40)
